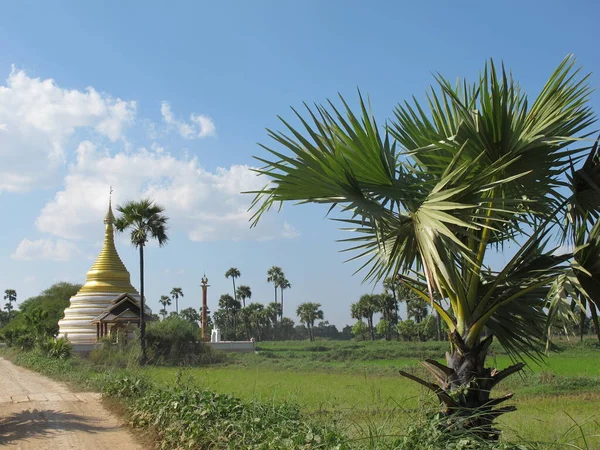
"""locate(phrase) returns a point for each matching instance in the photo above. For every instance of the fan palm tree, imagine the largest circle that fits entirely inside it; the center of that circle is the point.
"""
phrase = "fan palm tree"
(231, 307)
(283, 284)
(243, 292)
(164, 301)
(233, 273)
(275, 275)
(366, 307)
(434, 192)
(146, 221)
(309, 312)
(176, 292)
(10, 295)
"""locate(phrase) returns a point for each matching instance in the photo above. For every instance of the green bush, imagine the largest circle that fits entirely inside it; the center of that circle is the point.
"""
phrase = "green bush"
(59, 348)
(175, 341)
(187, 417)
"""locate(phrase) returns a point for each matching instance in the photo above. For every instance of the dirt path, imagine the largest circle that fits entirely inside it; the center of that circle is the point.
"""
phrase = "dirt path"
(39, 413)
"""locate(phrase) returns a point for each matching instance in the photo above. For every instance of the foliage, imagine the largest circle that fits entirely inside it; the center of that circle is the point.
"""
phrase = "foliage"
(308, 313)
(360, 331)
(42, 312)
(59, 348)
(191, 315)
(176, 292)
(431, 193)
(187, 417)
(175, 340)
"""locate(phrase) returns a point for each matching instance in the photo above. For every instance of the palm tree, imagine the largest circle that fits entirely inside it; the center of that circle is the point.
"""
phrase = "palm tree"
(283, 284)
(11, 296)
(308, 313)
(164, 301)
(432, 192)
(176, 292)
(390, 284)
(233, 273)
(231, 307)
(388, 307)
(275, 275)
(146, 221)
(243, 292)
(366, 307)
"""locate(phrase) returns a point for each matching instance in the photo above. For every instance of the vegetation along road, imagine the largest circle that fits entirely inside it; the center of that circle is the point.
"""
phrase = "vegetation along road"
(38, 413)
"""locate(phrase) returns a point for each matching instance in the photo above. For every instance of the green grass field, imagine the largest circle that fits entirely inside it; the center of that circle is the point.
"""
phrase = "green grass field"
(357, 383)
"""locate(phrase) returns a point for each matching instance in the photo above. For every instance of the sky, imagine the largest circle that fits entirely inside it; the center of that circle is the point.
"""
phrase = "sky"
(169, 100)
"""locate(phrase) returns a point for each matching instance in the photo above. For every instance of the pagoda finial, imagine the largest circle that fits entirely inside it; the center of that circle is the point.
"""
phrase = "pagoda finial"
(110, 218)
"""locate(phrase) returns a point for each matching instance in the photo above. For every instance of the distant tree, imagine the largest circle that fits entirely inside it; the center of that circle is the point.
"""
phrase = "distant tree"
(231, 307)
(11, 296)
(360, 331)
(255, 319)
(365, 308)
(191, 315)
(146, 221)
(384, 328)
(416, 309)
(283, 284)
(273, 312)
(233, 273)
(391, 285)
(275, 275)
(387, 305)
(286, 329)
(243, 292)
(165, 301)
(53, 301)
(176, 292)
(308, 313)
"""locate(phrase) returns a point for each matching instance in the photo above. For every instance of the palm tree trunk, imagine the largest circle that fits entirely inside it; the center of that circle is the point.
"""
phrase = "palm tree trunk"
(371, 330)
(177, 304)
(281, 314)
(234, 294)
(144, 359)
(464, 387)
(582, 318)
(595, 322)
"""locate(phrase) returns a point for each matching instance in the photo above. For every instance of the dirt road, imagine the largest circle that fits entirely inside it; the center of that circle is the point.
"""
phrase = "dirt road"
(39, 413)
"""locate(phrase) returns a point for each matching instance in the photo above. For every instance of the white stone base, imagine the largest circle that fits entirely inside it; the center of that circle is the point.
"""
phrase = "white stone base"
(233, 346)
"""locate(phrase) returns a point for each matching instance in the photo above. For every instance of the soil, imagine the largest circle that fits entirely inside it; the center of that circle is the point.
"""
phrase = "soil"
(39, 413)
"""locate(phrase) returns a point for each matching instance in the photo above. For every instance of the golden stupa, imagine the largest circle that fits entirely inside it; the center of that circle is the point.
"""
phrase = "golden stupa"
(106, 281)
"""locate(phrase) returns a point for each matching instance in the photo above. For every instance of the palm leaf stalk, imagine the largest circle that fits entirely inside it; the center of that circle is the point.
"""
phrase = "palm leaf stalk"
(430, 196)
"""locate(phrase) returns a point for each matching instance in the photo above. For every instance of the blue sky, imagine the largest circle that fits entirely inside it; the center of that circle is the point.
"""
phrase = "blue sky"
(170, 100)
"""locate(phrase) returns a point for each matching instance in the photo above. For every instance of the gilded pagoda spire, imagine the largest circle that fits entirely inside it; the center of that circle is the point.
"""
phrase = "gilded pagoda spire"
(108, 274)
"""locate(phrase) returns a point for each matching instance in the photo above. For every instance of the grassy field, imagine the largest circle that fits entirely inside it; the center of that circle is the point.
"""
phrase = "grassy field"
(357, 384)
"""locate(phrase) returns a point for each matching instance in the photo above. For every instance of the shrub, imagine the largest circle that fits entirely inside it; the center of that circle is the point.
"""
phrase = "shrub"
(187, 417)
(59, 348)
(175, 341)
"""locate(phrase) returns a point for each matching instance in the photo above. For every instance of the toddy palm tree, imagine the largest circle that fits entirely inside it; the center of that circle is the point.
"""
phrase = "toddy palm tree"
(243, 292)
(165, 301)
(176, 292)
(146, 221)
(283, 284)
(233, 273)
(275, 275)
(10, 295)
(309, 312)
(433, 193)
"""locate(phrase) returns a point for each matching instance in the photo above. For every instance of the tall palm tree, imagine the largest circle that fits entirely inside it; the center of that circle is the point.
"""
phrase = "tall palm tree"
(366, 307)
(233, 273)
(231, 307)
(433, 192)
(164, 301)
(176, 292)
(275, 275)
(309, 312)
(243, 292)
(146, 221)
(283, 284)
(10, 295)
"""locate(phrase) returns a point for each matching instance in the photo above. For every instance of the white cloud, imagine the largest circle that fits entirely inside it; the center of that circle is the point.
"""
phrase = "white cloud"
(206, 205)
(45, 249)
(37, 118)
(289, 232)
(201, 126)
